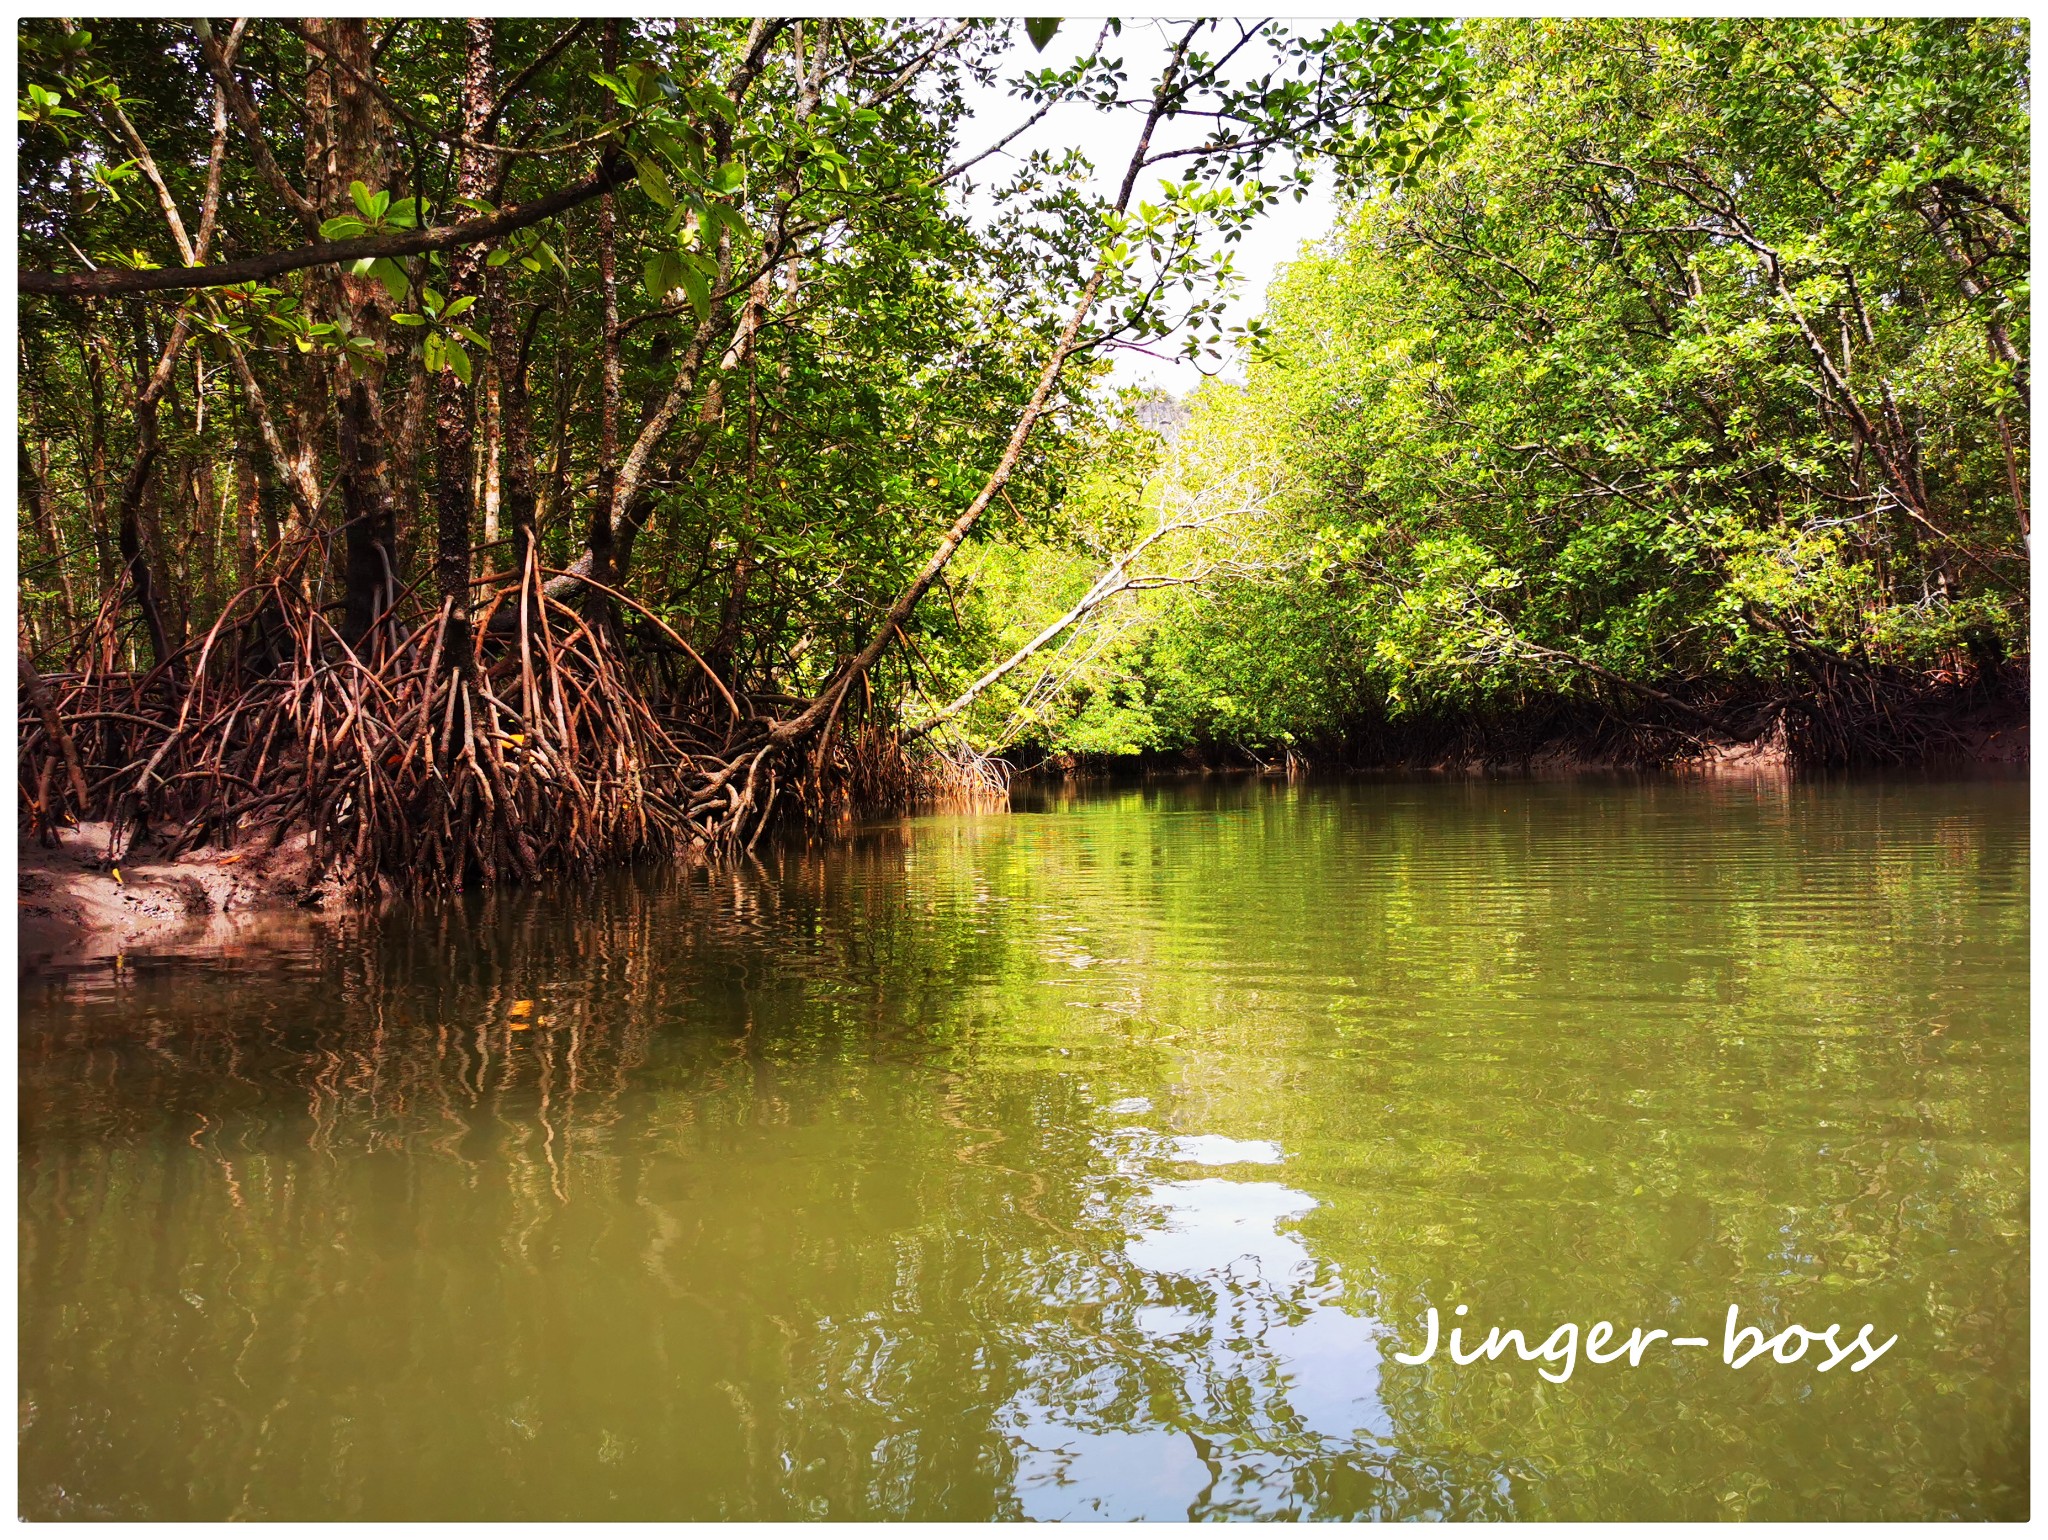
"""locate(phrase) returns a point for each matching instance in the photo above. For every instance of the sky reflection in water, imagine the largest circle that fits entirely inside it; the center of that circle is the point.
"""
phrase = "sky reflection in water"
(1087, 1162)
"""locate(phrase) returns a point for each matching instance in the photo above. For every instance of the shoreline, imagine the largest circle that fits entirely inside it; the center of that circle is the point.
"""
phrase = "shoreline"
(70, 910)
(1993, 736)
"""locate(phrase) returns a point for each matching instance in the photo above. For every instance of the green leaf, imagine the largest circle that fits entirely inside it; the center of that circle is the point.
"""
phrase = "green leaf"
(684, 151)
(343, 227)
(1040, 30)
(697, 287)
(363, 201)
(459, 362)
(717, 214)
(639, 80)
(393, 277)
(654, 182)
(456, 308)
(662, 273)
(473, 337)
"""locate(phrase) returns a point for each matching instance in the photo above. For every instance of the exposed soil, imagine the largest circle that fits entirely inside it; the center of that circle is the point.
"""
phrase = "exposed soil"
(72, 908)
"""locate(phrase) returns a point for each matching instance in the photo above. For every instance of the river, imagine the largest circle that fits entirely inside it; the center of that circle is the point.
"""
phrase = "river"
(1090, 1160)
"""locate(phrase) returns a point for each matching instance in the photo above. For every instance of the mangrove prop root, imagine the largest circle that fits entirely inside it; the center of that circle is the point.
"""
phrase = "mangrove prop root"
(561, 750)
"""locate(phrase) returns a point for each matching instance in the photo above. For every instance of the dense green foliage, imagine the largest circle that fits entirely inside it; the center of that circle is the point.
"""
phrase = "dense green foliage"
(1655, 366)
(830, 456)
(1700, 367)
(790, 258)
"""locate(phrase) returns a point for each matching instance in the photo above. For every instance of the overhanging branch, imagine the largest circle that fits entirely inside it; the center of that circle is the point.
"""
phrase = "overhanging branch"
(614, 171)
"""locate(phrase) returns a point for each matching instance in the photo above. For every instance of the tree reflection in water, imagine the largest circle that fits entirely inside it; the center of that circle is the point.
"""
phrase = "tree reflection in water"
(1083, 1165)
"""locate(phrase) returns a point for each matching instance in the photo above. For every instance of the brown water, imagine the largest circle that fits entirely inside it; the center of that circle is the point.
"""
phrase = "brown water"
(1089, 1161)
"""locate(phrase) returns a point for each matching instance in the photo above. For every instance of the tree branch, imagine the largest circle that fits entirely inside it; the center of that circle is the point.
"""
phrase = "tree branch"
(517, 83)
(1105, 588)
(613, 171)
(220, 64)
(823, 710)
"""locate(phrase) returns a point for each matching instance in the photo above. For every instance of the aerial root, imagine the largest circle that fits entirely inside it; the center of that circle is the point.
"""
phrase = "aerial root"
(546, 755)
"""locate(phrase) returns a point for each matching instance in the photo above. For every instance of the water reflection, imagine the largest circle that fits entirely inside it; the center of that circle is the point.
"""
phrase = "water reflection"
(1230, 1303)
(1076, 1165)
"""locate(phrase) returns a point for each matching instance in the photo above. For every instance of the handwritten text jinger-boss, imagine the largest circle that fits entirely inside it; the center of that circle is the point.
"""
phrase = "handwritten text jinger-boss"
(1739, 1345)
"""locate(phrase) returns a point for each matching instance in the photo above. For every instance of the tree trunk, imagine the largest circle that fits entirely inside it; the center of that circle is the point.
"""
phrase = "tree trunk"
(550, 510)
(348, 139)
(46, 531)
(247, 505)
(135, 487)
(370, 571)
(491, 455)
(134, 554)
(510, 353)
(600, 537)
(454, 442)
(414, 426)
(208, 512)
(96, 465)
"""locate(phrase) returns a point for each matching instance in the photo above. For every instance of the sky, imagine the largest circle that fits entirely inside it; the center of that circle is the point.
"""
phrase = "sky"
(1107, 139)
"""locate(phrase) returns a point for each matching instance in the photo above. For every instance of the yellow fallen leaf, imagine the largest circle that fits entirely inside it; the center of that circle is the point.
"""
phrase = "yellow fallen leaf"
(522, 1026)
(522, 1007)
(515, 737)
(117, 878)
